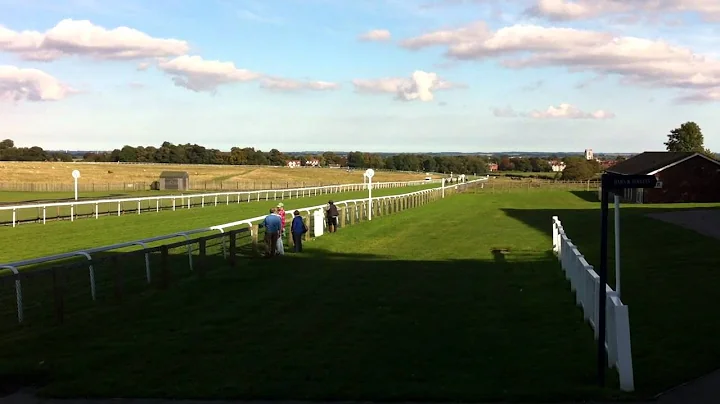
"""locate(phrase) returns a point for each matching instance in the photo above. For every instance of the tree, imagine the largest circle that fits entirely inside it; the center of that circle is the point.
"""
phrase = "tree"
(687, 138)
(579, 169)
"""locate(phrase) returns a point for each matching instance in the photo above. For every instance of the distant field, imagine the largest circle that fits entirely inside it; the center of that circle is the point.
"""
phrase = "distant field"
(46, 176)
(547, 175)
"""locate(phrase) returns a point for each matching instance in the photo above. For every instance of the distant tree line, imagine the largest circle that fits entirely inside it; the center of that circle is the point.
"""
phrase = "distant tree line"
(196, 154)
(8, 152)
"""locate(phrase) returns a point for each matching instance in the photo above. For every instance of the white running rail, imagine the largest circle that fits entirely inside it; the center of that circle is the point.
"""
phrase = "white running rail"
(15, 267)
(585, 282)
(162, 202)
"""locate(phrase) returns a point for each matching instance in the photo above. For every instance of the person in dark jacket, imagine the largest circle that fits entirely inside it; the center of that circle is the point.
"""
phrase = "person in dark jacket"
(298, 229)
(332, 217)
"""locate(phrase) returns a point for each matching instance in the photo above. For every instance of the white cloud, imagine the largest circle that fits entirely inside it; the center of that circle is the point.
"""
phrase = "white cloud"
(18, 84)
(198, 74)
(567, 111)
(562, 111)
(376, 35)
(636, 60)
(83, 38)
(280, 84)
(419, 86)
(559, 10)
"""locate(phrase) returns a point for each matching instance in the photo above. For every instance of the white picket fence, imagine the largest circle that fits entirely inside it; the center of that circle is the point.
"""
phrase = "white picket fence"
(585, 282)
(162, 202)
(16, 267)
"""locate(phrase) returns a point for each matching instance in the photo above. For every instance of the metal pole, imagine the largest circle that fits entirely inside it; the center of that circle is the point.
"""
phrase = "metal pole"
(369, 198)
(617, 244)
(601, 356)
(76, 189)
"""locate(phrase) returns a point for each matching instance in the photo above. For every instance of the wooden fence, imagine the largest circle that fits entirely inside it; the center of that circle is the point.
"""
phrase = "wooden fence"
(499, 186)
(43, 294)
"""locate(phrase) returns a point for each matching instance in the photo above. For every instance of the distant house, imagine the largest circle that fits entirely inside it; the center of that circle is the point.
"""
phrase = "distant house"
(685, 177)
(492, 167)
(293, 163)
(312, 163)
(557, 166)
(605, 164)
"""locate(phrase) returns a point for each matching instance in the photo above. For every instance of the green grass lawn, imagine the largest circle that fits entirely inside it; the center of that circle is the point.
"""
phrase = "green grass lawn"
(33, 240)
(414, 306)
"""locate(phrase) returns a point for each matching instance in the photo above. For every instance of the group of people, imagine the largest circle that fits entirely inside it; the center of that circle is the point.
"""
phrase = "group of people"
(274, 225)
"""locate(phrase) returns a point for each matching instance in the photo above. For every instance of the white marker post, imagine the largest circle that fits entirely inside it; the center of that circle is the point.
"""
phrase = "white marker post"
(617, 244)
(369, 173)
(76, 175)
(443, 187)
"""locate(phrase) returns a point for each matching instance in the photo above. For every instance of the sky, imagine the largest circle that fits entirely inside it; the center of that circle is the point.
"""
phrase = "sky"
(370, 75)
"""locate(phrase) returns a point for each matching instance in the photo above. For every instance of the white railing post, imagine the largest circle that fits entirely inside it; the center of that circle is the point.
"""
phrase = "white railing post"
(72, 213)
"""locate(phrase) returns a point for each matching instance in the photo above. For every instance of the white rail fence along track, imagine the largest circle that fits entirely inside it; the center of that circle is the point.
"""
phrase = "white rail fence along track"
(352, 211)
(42, 212)
(585, 282)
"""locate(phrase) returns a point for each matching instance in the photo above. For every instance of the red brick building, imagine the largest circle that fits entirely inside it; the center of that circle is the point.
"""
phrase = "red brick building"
(685, 176)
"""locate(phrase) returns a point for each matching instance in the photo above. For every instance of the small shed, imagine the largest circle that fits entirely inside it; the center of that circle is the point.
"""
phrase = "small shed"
(174, 180)
(685, 176)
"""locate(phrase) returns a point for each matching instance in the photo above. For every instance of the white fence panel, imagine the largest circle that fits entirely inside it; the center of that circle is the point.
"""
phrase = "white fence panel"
(585, 282)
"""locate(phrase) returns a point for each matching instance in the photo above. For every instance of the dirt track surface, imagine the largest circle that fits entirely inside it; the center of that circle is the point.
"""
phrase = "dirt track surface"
(705, 222)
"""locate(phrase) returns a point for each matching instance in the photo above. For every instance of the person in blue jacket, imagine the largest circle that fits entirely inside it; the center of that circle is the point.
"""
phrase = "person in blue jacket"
(298, 228)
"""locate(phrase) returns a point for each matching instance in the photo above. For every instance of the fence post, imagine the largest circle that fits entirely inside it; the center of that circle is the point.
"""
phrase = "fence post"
(233, 248)
(353, 213)
(202, 254)
(164, 267)
(58, 285)
(343, 213)
(306, 220)
(255, 235)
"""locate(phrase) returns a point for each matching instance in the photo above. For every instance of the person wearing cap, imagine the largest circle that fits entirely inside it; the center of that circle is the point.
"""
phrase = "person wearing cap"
(298, 228)
(332, 217)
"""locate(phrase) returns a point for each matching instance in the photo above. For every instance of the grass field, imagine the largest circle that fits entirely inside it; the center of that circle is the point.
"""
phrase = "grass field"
(111, 208)
(55, 172)
(13, 197)
(414, 306)
(36, 240)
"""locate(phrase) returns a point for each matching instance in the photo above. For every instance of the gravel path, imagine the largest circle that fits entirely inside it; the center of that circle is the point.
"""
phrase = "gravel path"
(706, 221)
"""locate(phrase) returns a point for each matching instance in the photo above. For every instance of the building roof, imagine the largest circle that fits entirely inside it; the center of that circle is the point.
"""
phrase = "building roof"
(174, 174)
(650, 162)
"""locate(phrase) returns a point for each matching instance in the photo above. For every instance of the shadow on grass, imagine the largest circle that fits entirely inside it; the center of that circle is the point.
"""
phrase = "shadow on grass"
(325, 326)
(588, 196)
(669, 281)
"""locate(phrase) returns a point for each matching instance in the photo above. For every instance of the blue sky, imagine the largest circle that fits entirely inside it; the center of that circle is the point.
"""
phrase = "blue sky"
(435, 75)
